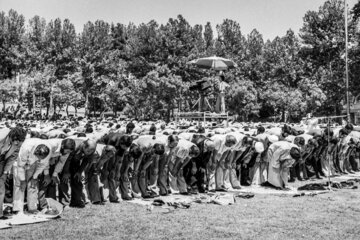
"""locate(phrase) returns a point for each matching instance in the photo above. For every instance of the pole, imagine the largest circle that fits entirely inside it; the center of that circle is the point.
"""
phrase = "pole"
(346, 65)
(51, 107)
(327, 152)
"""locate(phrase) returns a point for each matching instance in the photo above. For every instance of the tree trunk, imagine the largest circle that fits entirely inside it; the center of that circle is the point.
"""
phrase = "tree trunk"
(114, 110)
(34, 102)
(86, 104)
(93, 108)
(168, 114)
(51, 108)
(47, 111)
(40, 105)
(67, 110)
(4, 108)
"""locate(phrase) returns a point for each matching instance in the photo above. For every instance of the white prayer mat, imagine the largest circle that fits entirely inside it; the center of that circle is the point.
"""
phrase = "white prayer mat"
(269, 190)
(181, 201)
(4, 225)
(23, 219)
(346, 177)
(227, 198)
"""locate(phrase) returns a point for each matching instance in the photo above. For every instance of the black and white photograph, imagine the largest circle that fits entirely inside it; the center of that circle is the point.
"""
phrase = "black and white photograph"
(180, 119)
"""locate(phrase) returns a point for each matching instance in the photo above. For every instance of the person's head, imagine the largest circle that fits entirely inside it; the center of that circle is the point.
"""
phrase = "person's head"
(89, 147)
(41, 151)
(259, 147)
(89, 129)
(230, 141)
(299, 141)
(284, 134)
(173, 141)
(260, 130)
(81, 135)
(124, 142)
(334, 141)
(194, 151)
(108, 152)
(328, 133)
(349, 127)
(158, 149)
(313, 143)
(34, 134)
(130, 127)
(247, 141)
(67, 146)
(44, 136)
(152, 129)
(62, 135)
(201, 129)
(209, 145)
(66, 130)
(295, 153)
(135, 151)
(17, 135)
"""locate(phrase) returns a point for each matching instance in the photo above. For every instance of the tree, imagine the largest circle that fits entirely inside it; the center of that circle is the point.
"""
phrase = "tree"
(93, 49)
(34, 42)
(242, 98)
(8, 92)
(323, 36)
(12, 28)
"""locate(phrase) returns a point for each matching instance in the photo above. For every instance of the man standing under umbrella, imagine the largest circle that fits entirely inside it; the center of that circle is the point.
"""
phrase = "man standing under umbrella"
(217, 64)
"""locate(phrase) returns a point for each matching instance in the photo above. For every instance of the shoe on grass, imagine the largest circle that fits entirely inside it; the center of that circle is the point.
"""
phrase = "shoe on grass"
(33, 211)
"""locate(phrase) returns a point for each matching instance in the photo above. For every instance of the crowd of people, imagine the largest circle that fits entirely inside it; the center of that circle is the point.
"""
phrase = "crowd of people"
(77, 161)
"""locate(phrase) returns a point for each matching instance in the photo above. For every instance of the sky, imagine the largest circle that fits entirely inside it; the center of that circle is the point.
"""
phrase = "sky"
(270, 17)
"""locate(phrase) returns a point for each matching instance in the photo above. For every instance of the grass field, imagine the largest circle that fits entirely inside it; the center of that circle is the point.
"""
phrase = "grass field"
(334, 215)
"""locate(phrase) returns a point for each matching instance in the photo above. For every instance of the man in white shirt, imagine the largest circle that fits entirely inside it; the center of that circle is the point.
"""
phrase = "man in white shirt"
(223, 145)
(10, 143)
(282, 155)
(33, 159)
(150, 152)
(183, 153)
(170, 142)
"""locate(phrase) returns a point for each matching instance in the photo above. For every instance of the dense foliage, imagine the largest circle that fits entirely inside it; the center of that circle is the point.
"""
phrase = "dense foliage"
(141, 70)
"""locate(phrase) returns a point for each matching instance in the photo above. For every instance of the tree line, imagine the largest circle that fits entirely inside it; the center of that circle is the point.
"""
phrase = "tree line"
(142, 69)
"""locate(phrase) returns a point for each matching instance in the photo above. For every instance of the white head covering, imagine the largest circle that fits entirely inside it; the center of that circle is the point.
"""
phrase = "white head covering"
(273, 138)
(259, 147)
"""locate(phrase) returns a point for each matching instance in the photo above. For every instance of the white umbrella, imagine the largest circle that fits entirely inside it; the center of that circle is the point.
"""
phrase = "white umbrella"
(216, 63)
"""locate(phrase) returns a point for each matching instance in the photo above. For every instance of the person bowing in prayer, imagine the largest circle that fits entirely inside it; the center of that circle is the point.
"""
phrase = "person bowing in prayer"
(281, 155)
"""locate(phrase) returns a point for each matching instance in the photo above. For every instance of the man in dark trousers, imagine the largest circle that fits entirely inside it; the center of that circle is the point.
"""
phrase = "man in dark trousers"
(111, 173)
(60, 151)
(76, 164)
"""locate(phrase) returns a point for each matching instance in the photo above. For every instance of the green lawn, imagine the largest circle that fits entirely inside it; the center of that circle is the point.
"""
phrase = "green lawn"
(334, 215)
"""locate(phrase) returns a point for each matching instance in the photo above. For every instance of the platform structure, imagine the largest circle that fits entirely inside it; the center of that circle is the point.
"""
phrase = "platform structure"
(201, 116)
